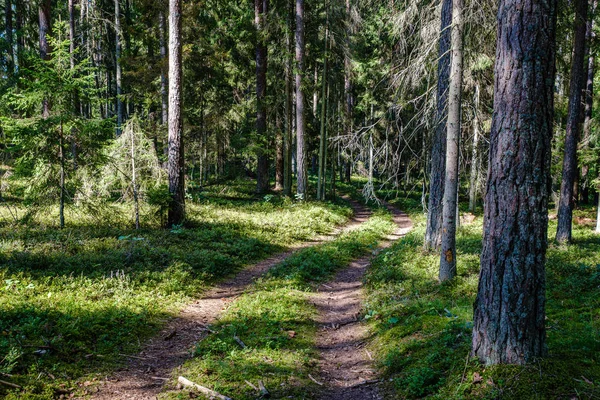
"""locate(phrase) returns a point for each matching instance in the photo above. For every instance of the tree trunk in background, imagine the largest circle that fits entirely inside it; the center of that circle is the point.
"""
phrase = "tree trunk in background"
(164, 97)
(438, 150)
(76, 105)
(323, 117)
(348, 92)
(287, 163)
(588, 95)
(301, 164)
(474, 180)
(45, 28)
(279, 150)
(118, 72)
(565, 208)
(176, 166)
(450, 202)
(262, 170)
(10, 56)
(509, 309)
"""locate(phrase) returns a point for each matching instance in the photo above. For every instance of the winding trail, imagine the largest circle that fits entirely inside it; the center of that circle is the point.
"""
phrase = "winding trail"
(148, 372)
(346, 366)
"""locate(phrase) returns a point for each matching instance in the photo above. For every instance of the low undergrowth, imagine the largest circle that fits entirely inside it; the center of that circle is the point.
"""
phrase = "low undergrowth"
(73, 301)
(423, 329)
(274, 319)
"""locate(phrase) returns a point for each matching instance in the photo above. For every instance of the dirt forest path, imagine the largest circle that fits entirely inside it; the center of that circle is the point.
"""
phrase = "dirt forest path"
(147, 372)
(346, 366)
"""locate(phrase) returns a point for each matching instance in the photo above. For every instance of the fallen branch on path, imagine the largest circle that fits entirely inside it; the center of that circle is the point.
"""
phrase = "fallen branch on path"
(204, 390)
(314, 380)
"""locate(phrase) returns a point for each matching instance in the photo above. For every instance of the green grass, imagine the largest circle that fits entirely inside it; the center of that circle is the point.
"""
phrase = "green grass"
(72, 300)
(423, 329)
(274, 318)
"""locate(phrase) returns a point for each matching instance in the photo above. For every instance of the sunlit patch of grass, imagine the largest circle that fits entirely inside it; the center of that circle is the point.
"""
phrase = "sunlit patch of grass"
(423, 329)
(274, 319)
(73, 300)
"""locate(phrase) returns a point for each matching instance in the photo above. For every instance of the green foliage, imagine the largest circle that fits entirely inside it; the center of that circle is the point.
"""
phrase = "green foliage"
(423, 329)
(73, 300)
(61, 138)
(275, 319)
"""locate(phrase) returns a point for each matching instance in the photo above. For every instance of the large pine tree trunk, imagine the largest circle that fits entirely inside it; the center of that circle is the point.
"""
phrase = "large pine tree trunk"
(262, 170)
(510, 306)
(176, 166)
(570, 170)
(450, 215)
(301, 163)
(438, 150)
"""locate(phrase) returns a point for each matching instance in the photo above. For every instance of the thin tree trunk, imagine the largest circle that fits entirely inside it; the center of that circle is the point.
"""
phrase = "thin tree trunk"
(61, 154)
(438, 151)
(348, 90)
(509, 309)
(287, 163)
(474, 181)
(449, 221)
(279, 150)
(118, 73)
(10, 56)
(176, 166)
(566, 204)
(134, 181)
(262, 170)
(322, 139)
(301, 177)
(589, 100)
(45, 28)
(163, 75)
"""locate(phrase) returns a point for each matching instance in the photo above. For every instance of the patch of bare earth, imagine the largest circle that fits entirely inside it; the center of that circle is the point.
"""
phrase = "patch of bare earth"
(346, 366)
(148, 372)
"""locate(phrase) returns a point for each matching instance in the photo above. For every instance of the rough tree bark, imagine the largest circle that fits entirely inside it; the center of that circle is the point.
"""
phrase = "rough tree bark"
(509, 309)
(301, 163)
(438, 150)
(176, 166)
(262, 169)
(449, 214)
(566, 203)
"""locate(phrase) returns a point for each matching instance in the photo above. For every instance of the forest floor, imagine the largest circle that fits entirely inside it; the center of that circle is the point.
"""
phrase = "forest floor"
(144, 376)
(321, 316)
